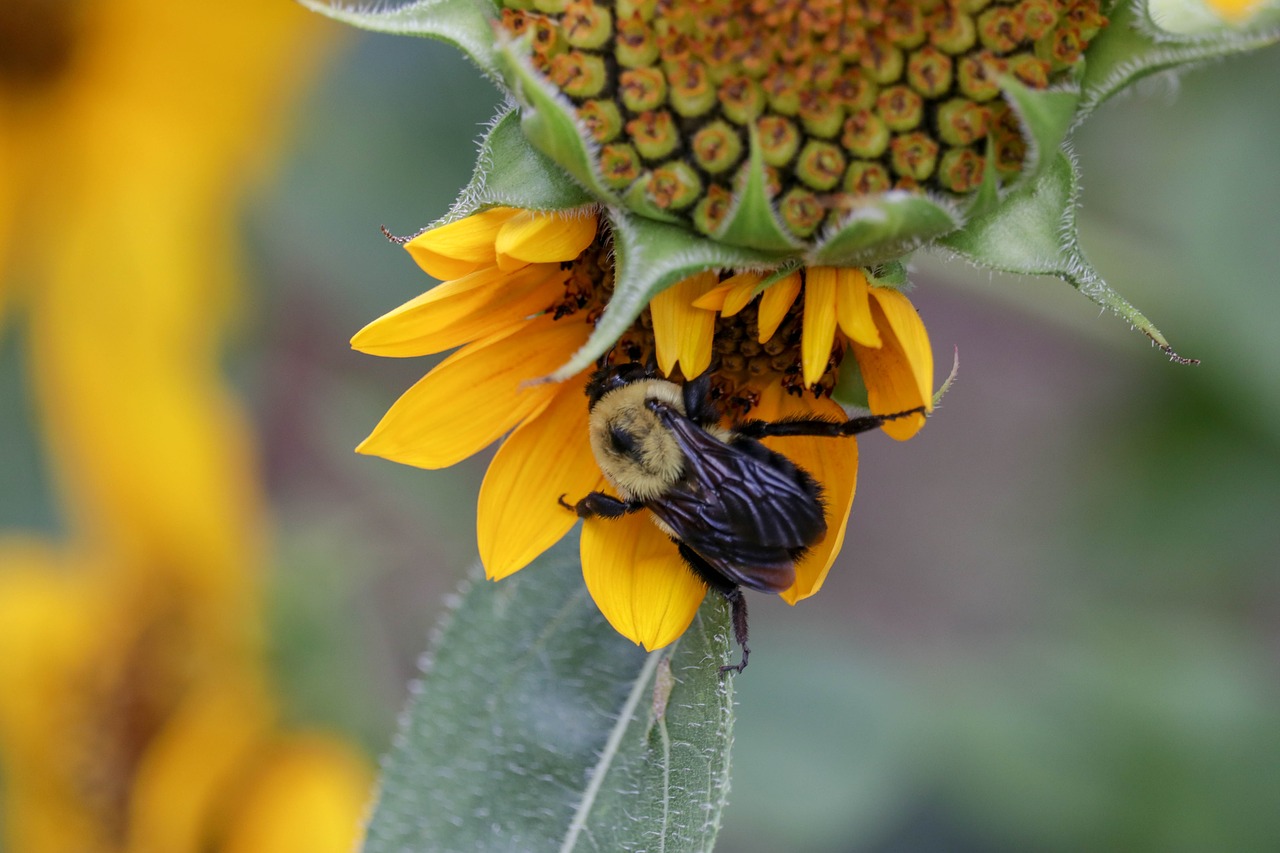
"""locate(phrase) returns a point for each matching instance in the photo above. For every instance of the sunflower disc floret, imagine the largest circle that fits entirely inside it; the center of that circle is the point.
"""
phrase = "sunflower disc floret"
(839, 98)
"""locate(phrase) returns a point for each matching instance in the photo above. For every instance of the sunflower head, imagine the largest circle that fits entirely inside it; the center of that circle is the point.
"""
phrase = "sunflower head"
(525, 293)
(752, 134)
(770, 124)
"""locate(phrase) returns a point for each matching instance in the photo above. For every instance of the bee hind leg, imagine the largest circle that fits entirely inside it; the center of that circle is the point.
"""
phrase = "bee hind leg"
(732, 593)
(600, 504)
(738, 615)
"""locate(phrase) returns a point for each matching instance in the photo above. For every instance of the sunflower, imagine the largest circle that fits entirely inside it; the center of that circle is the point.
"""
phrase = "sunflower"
(136, 707)
(521, 293)
(123, 727)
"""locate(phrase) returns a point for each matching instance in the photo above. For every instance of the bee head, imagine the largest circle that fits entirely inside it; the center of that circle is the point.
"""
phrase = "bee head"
(611, 377)
(635, 451)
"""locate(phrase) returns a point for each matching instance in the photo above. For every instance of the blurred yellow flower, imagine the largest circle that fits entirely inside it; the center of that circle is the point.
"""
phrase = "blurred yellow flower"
(1236, 11)
(121, 730)
(522, 293)
(134, 706)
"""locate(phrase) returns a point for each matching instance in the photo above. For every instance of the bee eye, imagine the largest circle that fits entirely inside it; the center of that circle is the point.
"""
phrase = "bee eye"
(623, 442)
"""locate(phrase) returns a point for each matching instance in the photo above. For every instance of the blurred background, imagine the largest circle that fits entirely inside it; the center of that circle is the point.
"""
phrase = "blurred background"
(1055, 625)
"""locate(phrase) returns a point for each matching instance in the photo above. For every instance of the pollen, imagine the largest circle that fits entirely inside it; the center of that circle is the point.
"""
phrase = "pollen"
(842, 97)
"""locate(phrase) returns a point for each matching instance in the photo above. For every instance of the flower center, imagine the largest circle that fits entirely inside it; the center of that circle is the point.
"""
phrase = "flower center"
(843, 97)
(740, 365)
(37, 41)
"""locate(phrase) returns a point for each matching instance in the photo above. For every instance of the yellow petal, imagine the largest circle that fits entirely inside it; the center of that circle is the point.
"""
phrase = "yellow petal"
(775, 302)
(539, 237)
(912, 336)
(55, 626)
(743, 288)
(476, 395)
(638, 580)
(713, 299)
(454, 313)
(217, 731)
(547, 456)
(833, 462)
(899, 374)
(853, 307)
(681, 333)
(731, 295)
(309, 792)
(460, 248)
(819, 330)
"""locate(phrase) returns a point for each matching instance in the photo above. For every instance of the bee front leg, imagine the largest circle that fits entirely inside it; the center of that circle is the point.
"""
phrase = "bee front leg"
(600, 504)
(820, 427)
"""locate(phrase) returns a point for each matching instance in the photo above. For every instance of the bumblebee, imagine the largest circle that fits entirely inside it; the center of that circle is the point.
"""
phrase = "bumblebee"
(740, 514)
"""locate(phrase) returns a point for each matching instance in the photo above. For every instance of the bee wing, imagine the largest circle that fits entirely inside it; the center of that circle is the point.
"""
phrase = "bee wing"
(744, 516)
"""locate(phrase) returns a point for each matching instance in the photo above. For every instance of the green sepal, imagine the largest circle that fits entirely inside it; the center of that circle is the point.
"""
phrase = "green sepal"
(1132, 47)
(1045, 115)
(549, 121)
(1033, 232)
(466, 24)
(883, 228)
(636, 198)
(752, 221)
(987, 195)
(889, 274)
(537, 727)
(651, 256)
(510, 172)
(851, 389)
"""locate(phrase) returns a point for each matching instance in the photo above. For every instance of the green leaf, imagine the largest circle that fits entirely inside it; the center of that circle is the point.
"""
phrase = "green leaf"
(465, 24)
(1033, 232)
(549, 121)
(884, 228)
(1131, 47)
(537, 727)
(753, 222)
(651, 256)
(511, 172)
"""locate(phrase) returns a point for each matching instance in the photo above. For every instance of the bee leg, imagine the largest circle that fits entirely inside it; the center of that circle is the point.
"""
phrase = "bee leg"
(698, 406)
(819, 426)
(738, 613)
(600, 504)
(732, 593)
